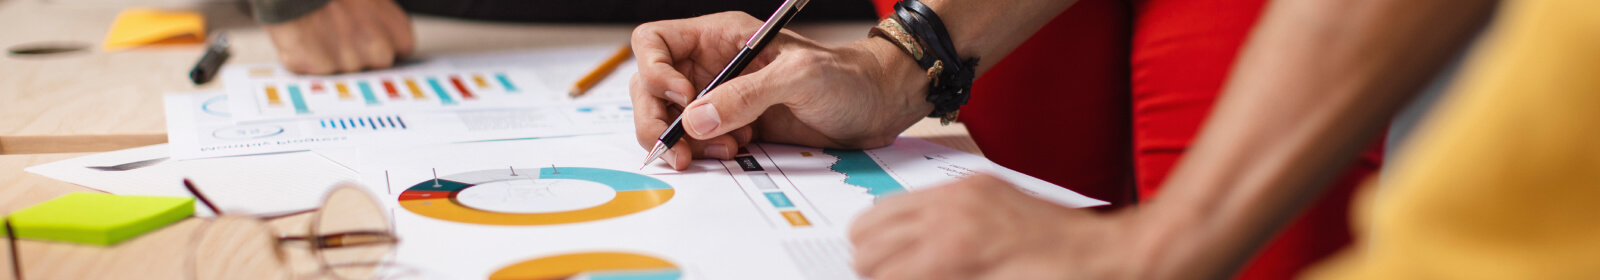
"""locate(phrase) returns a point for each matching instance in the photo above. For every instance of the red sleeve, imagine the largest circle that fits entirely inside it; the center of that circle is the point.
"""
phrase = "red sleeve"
(1183, 51)
(884, 7)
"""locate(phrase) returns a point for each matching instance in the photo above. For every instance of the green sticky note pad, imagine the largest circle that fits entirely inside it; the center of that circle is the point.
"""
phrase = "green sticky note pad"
(99, 219)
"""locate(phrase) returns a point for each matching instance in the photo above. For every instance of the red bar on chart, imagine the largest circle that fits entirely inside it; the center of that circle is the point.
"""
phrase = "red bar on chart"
(465, 94)
(272, 96)
(388, 86)
(316, 87)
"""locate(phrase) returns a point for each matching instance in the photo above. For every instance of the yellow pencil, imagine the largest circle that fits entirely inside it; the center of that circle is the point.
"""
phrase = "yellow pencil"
(600, 72)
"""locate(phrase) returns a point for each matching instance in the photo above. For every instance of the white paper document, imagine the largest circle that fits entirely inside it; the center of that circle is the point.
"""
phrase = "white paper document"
(518, 79)
(512, 209)
(263, 185)
(200, 125)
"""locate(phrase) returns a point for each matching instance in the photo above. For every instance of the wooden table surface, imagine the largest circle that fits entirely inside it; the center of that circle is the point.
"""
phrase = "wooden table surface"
(60, 106)
(92, 101)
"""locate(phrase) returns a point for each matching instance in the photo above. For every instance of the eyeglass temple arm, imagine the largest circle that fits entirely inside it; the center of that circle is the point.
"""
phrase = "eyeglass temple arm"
(347, 239)
(187, 184)
(11, 240)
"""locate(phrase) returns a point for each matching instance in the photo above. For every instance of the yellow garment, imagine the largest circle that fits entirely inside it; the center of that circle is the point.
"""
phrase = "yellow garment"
(1503, 182)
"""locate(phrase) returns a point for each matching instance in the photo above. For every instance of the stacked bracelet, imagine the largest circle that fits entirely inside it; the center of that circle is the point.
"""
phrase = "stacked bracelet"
(917, 30)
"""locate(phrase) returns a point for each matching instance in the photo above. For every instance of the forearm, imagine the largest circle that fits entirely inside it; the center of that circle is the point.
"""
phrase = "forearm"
(991, 29)
(1316, 83)
(988, 29)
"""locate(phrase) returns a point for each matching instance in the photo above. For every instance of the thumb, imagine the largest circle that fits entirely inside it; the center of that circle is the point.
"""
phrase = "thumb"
(734, 104)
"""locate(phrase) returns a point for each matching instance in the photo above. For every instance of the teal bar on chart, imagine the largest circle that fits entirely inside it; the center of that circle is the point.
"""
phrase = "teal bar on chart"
(366, 93)
(779, 200)
(505, 82)
(444, 96)
(298, 100)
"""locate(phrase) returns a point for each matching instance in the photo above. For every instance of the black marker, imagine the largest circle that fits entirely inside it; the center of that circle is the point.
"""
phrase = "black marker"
(216, 54)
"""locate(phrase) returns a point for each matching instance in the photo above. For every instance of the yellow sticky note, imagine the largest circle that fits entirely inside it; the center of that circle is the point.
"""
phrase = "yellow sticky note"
(144, 26)
(97, 218)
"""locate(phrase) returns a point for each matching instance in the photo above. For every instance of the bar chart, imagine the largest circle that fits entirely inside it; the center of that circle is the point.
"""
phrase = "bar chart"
(281, 97)
(391, 122)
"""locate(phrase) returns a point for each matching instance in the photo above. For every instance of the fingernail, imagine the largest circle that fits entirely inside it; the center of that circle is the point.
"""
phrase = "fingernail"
(703, 119)
(677, 97)
(717, 151)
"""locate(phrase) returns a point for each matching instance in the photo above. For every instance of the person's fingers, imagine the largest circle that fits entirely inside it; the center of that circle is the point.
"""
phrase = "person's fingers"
(396, 25)
(743, 136)
(650, 114)
(339, 41)
(918, 262)
(734, 104)
(679, 156)
(377, 54)
(720, 147)
(885, 214)
(879, 247)
(300, 56)
(373, 45)
(655, 57)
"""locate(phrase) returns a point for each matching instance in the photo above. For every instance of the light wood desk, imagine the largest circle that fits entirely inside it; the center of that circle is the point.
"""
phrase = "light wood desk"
(70, 104)
(94, 101)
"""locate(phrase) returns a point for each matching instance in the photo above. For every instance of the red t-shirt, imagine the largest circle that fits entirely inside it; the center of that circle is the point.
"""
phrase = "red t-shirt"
(1106, 97)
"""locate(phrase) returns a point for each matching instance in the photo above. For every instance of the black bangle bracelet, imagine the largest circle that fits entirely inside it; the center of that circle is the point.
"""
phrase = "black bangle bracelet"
(951, 77)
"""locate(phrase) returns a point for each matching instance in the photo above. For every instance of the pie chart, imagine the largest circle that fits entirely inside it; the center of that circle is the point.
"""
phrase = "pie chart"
(593, 266)
(550, 196)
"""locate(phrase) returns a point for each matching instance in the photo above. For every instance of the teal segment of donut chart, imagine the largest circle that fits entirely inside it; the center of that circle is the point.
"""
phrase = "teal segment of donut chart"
(437, 198)
(619, 180)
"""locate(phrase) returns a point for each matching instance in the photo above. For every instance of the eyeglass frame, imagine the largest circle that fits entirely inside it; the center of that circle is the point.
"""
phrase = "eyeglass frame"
(317, 244)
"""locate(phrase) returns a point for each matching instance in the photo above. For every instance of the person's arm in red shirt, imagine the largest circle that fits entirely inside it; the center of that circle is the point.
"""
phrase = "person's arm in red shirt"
(1317, 82)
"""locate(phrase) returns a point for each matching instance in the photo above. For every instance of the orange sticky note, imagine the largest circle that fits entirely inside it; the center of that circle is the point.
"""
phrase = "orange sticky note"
(144, 26)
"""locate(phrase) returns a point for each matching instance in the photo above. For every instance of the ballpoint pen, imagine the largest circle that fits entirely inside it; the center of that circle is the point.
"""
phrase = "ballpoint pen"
(751, 48)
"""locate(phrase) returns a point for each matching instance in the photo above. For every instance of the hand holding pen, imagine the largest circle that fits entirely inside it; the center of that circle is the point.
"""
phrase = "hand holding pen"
(795, 91)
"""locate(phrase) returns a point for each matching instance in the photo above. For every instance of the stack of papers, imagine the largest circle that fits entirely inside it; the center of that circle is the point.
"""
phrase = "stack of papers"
(489, 171)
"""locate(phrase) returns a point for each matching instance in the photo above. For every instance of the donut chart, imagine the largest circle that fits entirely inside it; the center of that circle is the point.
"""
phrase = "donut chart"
(437, 198)
(593, 265)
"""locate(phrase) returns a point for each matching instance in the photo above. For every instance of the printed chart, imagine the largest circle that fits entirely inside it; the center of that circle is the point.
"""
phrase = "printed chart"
(500, 210)
(593, 266)
(268, 94)
(200, 125)
(535, 199)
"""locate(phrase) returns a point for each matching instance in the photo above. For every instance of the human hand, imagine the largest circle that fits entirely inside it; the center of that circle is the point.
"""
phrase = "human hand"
(983, 228)
(796, 91)
(344, 36)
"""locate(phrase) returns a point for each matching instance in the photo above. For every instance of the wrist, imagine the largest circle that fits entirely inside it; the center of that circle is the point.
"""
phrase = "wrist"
(897, 75)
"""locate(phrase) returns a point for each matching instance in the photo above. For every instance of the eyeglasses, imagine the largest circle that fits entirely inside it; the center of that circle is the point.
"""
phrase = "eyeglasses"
(347, 237)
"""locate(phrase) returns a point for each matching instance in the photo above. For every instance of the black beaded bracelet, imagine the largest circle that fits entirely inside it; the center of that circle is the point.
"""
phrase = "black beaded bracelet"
(919, 31)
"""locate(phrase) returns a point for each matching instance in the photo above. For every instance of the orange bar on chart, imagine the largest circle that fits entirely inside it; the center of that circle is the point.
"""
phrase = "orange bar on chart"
(416, 92)
(344, 91)
(272, 96)
(796, 219)
(478, 78)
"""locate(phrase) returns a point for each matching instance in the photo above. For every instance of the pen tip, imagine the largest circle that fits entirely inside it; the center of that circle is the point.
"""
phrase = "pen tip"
(656, 152)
